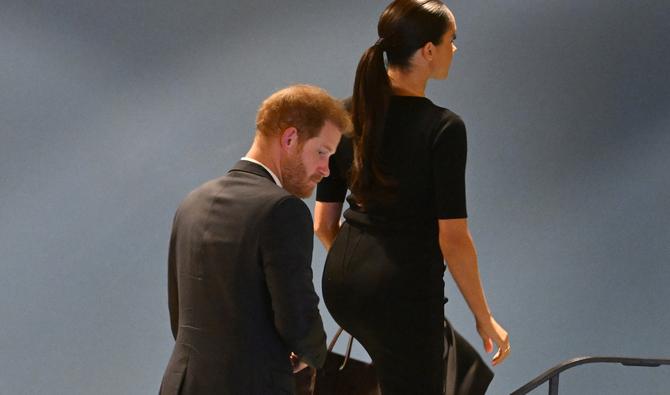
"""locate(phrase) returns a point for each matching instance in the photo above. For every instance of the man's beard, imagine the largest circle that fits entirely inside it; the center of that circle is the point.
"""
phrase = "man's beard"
(295, 179)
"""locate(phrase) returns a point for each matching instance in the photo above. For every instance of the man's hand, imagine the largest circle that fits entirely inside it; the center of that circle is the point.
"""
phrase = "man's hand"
(297, 364)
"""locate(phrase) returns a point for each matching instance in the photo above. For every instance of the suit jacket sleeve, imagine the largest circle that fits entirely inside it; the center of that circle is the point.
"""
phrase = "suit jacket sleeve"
(286, 248)
(173, 295)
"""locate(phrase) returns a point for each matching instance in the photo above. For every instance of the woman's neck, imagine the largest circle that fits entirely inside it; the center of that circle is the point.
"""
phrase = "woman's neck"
(408, 83)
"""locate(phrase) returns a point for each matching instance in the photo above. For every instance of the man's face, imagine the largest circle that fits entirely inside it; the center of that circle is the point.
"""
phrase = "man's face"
(305, 166)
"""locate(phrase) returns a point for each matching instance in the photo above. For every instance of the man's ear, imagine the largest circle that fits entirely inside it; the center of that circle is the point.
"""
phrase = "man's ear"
(289, 138)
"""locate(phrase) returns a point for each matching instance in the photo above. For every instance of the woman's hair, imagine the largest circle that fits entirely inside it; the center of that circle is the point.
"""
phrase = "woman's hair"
(403, 28)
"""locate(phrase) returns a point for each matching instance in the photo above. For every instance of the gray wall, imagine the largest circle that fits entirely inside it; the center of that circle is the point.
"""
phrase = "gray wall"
(111, 111)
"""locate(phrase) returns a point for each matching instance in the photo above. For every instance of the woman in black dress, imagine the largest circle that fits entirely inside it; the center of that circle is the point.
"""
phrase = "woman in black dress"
(405, 165)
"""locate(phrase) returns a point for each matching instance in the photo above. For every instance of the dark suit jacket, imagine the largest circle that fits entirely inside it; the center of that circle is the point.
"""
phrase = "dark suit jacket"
(240, 288)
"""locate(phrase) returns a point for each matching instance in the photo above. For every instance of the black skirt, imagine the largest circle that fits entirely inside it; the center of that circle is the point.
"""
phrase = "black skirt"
(387, 290)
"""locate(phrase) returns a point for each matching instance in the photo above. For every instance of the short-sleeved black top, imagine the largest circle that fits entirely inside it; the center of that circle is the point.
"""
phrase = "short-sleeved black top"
(424, 149)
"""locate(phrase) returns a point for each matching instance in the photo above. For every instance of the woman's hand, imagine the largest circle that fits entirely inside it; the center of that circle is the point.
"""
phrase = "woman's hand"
(491, 332)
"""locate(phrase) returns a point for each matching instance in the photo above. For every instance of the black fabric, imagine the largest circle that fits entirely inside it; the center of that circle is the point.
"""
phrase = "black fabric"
(240, 288)
(354, 377)
(424, 149)
(467, 373)
(383, 278)
(333, 188)
(391, 300)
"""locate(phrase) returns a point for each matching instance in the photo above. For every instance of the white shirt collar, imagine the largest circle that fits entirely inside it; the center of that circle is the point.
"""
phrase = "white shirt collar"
(274, 177)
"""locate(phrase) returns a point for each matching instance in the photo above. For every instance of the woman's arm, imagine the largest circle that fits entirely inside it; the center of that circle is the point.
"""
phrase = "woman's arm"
(458, 250)
(327, 222)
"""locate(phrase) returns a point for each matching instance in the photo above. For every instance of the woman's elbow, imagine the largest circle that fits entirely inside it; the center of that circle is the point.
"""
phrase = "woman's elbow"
(321, 229)
(325, 231)
(455, 244)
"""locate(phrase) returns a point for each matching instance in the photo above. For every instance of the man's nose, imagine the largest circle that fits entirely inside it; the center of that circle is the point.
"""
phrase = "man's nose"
(325, 170)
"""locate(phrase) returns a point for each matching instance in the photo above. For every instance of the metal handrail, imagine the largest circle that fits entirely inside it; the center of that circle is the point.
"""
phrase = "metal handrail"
(551, 375)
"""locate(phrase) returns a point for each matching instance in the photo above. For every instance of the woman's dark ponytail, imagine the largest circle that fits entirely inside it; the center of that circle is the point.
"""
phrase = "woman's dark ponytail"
(372, 92)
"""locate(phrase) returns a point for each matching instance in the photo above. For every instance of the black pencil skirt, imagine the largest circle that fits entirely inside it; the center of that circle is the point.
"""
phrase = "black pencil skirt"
(387, 290)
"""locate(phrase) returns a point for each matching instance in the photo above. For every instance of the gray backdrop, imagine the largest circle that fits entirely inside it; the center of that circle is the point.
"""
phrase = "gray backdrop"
(111, 111)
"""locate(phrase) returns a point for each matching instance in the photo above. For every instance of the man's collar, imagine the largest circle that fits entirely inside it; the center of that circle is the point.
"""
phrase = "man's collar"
(253, 166)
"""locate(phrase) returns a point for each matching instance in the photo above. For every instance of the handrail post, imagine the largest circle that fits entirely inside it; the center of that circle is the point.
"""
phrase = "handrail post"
(553, 385)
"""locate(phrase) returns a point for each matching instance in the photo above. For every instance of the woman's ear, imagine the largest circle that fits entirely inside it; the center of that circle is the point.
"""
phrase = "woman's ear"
(428, 51)
(289, 138)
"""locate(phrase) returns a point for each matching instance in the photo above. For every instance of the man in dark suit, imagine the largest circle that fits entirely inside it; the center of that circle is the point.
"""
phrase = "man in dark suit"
(242, 304)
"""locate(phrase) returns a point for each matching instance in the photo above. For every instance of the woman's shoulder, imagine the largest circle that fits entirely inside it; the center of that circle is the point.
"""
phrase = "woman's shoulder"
(446, 115)
(447, 125)
(445, 122)
(426, 108)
